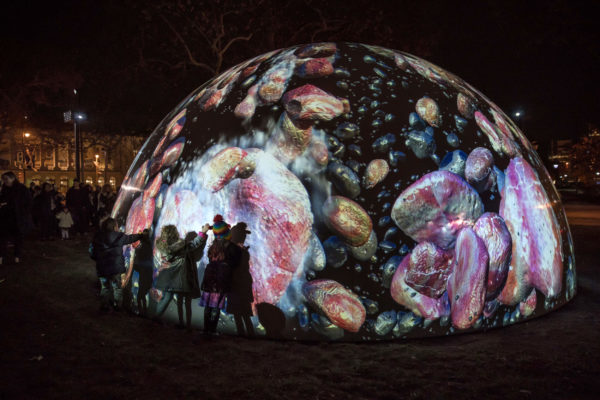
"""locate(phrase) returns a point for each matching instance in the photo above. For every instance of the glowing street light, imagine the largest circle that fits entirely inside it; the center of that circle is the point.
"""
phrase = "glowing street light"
(27, 134)
(518, 115)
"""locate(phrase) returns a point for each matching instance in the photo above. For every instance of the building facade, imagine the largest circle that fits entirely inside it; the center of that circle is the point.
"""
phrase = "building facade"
(577, 162)
(40, 157)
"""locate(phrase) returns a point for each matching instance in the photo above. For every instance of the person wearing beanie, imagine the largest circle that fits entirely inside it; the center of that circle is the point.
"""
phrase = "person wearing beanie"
(222, 232)
(221, 228)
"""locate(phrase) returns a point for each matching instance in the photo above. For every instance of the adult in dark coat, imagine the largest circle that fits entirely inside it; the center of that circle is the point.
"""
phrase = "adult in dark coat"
(77, 200)
(86, 212)
(36, 206)
(179, 272)
(107, 250)
(96, 205)
(106, 199)
(143, 264)
(45, 209)
(240, 298)
(15, 214)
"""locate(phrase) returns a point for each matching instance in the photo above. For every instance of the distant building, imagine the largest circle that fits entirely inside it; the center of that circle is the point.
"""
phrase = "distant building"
(50, 157)
(577, 162)
(560, 160)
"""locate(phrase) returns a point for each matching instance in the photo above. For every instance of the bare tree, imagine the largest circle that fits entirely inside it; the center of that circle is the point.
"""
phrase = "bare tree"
(203, 31)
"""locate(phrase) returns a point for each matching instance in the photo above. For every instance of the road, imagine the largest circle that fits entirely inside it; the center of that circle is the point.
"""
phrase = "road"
(584, 219)
(583, 214)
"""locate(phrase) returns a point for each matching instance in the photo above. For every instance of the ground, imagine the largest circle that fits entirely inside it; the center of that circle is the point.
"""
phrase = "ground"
(55, 344)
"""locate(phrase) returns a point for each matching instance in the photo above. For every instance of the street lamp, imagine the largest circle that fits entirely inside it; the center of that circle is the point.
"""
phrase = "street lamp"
(77, 118)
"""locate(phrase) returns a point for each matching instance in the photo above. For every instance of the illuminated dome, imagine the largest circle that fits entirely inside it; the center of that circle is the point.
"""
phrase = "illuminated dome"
(385, 196)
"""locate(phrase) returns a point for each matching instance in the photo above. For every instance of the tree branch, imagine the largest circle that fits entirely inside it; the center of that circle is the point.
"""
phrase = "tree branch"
(222, 52)
(191, 58)
(235, 39)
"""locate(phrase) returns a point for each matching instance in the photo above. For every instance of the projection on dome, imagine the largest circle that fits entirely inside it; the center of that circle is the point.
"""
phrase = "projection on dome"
(386, 197)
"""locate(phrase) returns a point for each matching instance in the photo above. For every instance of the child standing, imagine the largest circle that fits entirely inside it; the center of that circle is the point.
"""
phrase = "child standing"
(65, 222)
(215, 285)
(107, 250)
(178, 274)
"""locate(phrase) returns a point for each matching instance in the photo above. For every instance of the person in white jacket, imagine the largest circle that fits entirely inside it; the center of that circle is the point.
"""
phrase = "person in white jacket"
(65, 222)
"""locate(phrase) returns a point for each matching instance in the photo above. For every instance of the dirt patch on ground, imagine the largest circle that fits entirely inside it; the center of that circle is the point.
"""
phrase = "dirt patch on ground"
(55, 344)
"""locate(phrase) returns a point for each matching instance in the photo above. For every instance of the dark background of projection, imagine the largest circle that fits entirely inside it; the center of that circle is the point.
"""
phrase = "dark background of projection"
(203, 129)
(129, 59)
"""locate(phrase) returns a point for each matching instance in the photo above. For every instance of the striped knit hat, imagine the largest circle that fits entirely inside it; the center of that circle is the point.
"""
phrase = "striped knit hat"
(221, 228)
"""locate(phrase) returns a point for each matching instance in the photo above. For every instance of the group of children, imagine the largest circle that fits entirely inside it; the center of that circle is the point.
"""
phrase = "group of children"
(177, 273)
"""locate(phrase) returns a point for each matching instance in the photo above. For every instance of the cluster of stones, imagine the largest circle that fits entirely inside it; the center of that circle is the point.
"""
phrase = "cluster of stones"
(466, 259)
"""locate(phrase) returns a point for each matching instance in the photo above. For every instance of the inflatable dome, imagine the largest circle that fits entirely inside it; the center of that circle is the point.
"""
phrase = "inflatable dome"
(375, 196)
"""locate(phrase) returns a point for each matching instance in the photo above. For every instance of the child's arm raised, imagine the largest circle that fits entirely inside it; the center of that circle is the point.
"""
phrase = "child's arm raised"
(128, 239)
(197, 245)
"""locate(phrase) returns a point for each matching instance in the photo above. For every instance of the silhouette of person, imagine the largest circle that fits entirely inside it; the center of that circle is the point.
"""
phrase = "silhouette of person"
(240, 299)
(143, 265)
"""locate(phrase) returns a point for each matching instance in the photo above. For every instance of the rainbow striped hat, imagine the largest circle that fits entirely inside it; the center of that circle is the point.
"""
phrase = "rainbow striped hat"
(221, 228)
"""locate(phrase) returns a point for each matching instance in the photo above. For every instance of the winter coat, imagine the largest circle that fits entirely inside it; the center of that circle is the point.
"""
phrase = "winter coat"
(77, 198)
(46, 201)
(143, 263)
(233, 254)
(16, 214)
(182, 273)
(240, 297)
(217, 277)
(65, 220)
(108, 252)
(106, 201)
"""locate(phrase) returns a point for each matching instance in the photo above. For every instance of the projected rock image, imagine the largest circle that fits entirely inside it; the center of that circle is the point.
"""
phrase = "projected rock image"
(386, 198)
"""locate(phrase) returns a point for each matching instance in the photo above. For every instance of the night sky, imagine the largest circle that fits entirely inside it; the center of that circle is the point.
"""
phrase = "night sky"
(131, 68)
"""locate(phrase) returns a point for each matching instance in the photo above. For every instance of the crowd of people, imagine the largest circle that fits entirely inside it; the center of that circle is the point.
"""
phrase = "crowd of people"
(226, 284)
(44, 211)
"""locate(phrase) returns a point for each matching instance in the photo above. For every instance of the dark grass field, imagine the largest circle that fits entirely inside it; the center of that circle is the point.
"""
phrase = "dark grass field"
(55, 344)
